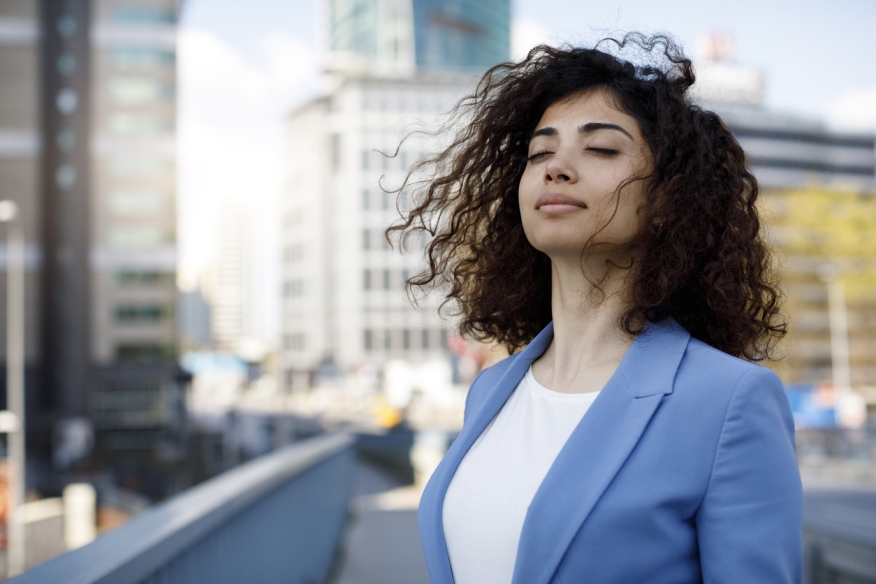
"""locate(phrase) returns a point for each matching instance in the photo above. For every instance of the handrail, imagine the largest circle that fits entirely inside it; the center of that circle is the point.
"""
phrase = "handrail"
(839, 535)
(132, 552)
(850, 521)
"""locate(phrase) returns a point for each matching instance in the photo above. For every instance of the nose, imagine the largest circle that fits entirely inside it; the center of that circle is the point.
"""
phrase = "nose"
(559, 170)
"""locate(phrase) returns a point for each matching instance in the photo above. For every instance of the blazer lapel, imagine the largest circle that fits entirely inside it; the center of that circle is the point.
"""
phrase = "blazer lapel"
(597, 449)
(434, 543)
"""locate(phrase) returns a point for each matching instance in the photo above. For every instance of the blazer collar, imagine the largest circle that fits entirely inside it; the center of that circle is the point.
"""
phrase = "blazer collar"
(591, 457)
(597, 449)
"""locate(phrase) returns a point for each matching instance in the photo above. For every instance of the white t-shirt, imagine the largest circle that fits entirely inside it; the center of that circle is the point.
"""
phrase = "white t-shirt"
(489, 495)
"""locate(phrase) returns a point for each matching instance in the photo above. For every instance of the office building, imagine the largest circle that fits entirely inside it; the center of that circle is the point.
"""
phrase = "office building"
(392, 64)
(87, 143)
(343, 287)
(228, 290)
(421, 35)
(817, 191)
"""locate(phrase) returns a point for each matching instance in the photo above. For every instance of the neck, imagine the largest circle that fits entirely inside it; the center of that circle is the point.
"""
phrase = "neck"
(587, 340)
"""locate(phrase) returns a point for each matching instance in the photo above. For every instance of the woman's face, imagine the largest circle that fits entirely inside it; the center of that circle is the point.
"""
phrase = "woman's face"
(582, 150)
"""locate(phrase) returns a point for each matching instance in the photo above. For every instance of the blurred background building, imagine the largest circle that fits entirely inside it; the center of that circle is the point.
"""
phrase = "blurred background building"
(393, 67)
(229, 286)
(419, 35)
(818, 194)
(87, 148)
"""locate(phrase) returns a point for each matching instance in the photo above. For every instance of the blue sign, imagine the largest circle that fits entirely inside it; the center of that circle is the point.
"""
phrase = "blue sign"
(813, 406)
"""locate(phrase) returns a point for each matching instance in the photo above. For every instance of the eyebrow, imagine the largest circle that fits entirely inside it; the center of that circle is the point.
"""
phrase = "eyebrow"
(594, 126)
(585, 129)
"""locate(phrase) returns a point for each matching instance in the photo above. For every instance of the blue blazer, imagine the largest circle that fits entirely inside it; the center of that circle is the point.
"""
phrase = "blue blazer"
(682, 471)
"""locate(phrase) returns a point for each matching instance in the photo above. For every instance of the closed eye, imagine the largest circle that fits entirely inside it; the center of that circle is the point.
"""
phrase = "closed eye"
(537, 155)
(605, 151)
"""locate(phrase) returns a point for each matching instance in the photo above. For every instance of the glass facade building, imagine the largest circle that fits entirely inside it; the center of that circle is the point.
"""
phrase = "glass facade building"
(431, 35)
(461, 34)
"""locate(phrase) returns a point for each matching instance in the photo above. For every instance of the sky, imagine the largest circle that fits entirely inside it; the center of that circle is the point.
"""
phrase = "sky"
(244, 65)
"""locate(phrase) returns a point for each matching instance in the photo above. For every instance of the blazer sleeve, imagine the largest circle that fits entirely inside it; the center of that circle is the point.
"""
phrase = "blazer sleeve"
(750, 522)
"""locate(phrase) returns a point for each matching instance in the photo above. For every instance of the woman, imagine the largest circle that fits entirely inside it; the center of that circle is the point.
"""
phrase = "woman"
(589, 212)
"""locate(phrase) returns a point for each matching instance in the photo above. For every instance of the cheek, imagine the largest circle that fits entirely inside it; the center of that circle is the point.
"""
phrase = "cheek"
(526, 187)
(527, 194)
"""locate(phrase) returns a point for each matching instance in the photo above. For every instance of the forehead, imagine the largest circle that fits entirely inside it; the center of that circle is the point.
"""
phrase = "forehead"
(596, 105)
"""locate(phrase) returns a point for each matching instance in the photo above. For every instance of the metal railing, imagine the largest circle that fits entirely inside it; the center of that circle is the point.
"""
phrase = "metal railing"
(837, 443)
(839, 537)
(276, 519)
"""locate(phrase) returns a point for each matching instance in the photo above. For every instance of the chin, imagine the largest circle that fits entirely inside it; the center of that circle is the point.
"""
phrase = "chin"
(556, 248)
(551, 239)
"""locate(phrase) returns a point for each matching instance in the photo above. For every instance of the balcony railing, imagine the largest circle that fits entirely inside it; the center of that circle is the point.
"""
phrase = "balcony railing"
(839, 537)
(276, 519)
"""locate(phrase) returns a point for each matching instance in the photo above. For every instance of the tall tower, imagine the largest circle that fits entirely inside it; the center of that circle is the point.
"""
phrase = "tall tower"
(422, 35)
(66, 205)
(87, 150)
(227, 289)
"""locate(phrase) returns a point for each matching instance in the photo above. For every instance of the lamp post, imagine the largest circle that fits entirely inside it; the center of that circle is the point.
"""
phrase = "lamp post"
(850, 408)
(14, 419)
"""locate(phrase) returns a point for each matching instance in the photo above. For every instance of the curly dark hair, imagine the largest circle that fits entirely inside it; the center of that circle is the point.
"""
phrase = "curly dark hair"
(700, 255)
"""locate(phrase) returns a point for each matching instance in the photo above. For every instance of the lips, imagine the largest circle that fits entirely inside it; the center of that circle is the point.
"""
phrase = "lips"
(556, 203)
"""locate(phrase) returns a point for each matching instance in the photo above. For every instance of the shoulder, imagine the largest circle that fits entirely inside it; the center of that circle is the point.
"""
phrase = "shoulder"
(715, 388)
(733, 394)
(713, 370)
(484, 382)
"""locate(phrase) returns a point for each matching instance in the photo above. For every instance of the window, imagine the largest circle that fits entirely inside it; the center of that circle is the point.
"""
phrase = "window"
(368, 340)
(384, 203)
(142, 58)
(293, 288)
(66, 64)
(366, 159)
(66, 26)
(366, 279)
(136, 202)
(366, 239)
(138, 124)
(425, 336)
(336, 151)
(138, 236)
(365, 197)
(387, 277)
(143, 278)
(131, 313)
(142, 15)
(406, 339)
(145, 352)
(293, 253)
(138, 167)
(136, 91)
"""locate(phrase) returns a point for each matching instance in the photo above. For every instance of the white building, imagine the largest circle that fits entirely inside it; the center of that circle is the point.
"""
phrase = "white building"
(344, 298)
(227, 290)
